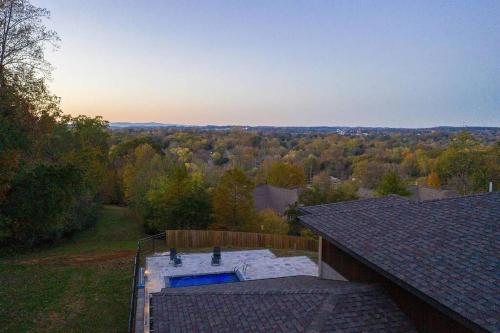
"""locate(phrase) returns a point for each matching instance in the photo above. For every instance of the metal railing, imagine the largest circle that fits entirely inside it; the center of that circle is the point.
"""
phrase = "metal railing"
(133, 293)
(152, 243)
(144, 245)
(241, 267)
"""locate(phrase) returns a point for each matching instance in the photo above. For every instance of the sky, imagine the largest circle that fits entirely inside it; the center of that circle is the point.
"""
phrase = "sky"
(283, 63)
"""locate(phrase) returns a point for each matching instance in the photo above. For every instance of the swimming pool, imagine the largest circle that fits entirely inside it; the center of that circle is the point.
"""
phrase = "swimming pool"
(199, 280)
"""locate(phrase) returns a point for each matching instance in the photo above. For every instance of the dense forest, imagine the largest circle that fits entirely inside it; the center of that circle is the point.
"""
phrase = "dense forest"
(56, 169)
(178, 178)
(52, 165)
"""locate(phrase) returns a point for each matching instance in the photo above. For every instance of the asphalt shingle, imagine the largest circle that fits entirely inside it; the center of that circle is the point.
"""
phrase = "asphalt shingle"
(292, 304)
(446, 249)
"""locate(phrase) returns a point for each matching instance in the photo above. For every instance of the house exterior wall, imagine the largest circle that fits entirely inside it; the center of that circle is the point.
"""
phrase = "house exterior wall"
(327, 272)
(425, 317)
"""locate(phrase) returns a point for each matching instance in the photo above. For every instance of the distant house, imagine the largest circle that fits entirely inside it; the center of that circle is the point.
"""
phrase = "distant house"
(275, 198)
(365, 193)
(423, 193)
(417, 193)
(438, 260)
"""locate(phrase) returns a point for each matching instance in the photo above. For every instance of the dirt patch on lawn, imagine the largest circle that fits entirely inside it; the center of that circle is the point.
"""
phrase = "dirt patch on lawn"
(78, 259)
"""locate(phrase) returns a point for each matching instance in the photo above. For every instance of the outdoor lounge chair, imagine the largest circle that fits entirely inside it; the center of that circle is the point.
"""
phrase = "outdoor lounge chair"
(173, 254)
(177, 261)
(175, 258)
(216, 257)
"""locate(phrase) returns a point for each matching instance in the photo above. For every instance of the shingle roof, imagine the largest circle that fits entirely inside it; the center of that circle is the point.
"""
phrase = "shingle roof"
(292, 304)
(445, 251)
(276, 198)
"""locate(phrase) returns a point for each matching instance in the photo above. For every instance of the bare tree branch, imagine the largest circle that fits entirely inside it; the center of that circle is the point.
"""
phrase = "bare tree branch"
(22, 41)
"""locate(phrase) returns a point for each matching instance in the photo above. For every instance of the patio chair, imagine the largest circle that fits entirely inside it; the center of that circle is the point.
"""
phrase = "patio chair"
(173, 254)
(216, 256)
(177, 261)
(175, 258)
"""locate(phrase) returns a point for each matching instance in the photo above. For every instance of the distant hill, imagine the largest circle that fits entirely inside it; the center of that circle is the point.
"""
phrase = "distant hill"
(307, 129)
(139, 125)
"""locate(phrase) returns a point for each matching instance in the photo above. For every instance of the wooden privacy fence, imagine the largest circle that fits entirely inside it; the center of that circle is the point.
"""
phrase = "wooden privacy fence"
(209, 238)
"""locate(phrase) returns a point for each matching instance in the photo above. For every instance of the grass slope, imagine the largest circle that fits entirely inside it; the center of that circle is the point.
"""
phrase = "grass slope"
(82, 285)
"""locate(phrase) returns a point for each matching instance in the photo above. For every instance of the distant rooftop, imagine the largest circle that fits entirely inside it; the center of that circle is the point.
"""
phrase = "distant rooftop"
(446, 251)
(275, 198)
(424, 193)
(291, 304)
(353, 205)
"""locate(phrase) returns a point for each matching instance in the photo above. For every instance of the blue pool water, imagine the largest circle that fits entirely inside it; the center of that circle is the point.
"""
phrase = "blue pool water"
(198, 280)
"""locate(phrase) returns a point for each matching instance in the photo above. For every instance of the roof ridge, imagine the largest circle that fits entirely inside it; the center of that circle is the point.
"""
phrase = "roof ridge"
(359, 200)
(290, 312)
(382, 205)
(275, 291)
(458, 197)
(322, 313)
(347, 289)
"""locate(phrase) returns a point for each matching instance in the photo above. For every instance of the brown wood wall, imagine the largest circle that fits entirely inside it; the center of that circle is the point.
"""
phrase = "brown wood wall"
(209, 238)
(425, 317)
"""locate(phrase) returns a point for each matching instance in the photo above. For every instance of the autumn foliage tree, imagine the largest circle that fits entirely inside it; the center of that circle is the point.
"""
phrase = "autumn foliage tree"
(316, 194)
(52, 166)
(269, 222)
(51, 183)
(143, 166)
(391, 183)
(233, 205)
(282, 174)
(433, 180)
(178, 200)
(369, 172)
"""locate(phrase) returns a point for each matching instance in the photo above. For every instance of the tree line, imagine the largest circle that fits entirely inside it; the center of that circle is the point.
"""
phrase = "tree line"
(178, 178)
(167, 193)
(52, 166)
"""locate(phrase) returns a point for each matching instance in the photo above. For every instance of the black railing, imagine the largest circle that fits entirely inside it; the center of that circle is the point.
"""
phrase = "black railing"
(133, 294)
(145, 245)
(152, 243)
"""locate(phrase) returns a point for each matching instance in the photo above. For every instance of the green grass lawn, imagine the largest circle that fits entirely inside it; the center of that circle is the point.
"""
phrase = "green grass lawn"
(82, 285)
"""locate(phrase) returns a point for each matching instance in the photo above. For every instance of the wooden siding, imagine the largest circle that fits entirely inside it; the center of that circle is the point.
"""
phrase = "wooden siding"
(425, 317)
(209, 238)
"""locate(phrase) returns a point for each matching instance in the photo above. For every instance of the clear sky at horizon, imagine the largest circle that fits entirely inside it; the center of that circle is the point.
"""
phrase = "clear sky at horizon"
(304, 63)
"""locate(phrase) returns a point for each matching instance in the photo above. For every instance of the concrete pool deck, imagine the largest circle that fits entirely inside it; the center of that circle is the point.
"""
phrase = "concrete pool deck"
(260, 264)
